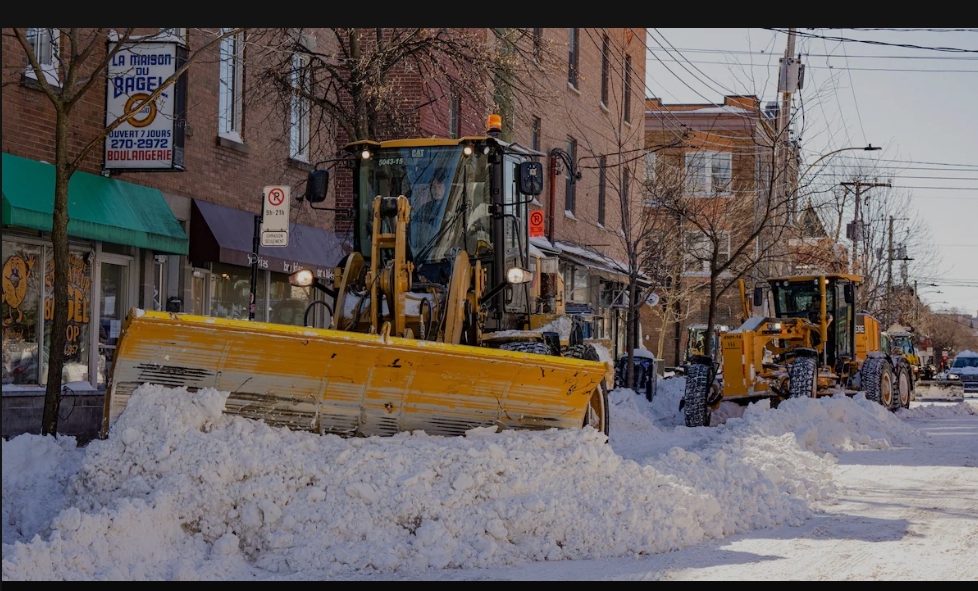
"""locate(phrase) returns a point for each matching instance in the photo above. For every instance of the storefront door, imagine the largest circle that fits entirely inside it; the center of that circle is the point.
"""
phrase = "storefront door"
(113, 307)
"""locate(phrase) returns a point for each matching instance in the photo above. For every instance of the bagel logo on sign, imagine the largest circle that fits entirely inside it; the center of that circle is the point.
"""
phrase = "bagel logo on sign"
(150, 134)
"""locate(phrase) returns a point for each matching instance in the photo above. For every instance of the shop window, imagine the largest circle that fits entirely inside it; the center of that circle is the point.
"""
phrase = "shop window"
(21, 307)
(76, 352)
(287, 303)
(231, 291)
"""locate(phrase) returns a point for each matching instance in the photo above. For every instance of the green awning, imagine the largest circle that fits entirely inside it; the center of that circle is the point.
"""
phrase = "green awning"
(99, 208)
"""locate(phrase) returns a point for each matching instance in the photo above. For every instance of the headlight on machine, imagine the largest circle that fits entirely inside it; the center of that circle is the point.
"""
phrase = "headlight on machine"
(953, 376)
(302, 278)
(518, 275)
(773, 328)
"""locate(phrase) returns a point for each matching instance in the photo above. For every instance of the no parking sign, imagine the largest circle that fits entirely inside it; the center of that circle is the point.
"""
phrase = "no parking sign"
(275, 216)
(536, 223)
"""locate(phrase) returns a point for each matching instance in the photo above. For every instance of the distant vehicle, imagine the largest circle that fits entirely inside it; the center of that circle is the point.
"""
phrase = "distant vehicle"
(965, 369)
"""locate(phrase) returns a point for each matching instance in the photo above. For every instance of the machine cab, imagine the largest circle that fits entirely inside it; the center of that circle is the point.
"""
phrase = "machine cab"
(826, 301)
(467, 195)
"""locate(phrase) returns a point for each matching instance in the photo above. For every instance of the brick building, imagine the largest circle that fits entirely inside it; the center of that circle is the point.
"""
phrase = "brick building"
(175, 231)
(724, 158)
(591, 115)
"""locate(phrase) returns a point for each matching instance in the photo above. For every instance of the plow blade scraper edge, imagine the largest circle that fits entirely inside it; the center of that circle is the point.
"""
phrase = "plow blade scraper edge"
(940, 389)
(350, 384)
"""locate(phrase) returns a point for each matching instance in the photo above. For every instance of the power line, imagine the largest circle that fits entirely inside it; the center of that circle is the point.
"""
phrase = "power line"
(809, 54)
(848, 68)
(912, 30)
(870, 42)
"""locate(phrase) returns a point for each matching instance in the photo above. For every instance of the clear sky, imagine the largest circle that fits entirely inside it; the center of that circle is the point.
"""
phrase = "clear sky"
(862, 86)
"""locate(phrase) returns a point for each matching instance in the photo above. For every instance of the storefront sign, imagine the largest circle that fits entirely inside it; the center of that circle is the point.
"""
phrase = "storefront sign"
(78, 312)
(152, 137)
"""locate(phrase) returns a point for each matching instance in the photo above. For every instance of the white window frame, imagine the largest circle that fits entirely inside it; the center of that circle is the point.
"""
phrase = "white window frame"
(705, 173)
(696, 265)
(229, 88)
(299, 112)
(50, 40)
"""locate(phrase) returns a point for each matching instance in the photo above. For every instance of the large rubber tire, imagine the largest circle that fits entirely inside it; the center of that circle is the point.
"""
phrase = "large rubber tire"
(598, 412)
(878, 381)
(697, 390)
(803, 378)
(582, 351)
(537, 347)
(904, 385)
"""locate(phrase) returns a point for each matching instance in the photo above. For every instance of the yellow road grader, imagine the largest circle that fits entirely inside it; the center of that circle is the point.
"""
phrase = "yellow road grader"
(441, 323)
(816, 345)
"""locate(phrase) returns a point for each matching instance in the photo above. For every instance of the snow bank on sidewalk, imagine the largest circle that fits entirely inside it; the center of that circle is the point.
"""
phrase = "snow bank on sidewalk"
(181, 491)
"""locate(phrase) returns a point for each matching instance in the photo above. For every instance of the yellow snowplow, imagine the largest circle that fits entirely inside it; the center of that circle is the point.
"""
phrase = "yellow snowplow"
(816, 345)
(439, 323)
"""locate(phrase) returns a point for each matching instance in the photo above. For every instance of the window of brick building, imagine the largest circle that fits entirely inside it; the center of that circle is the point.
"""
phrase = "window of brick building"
(699, 250)
(299, 111)
(230, 89)
(708, 173)
(627, 91)
(573, 57)
(537, 44)
(605, 69)
(602, 187)
(455, 115)
(569, 186)
(536, 130)
(46, 45)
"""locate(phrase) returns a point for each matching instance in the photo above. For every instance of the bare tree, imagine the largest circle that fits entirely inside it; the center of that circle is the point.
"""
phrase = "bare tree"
(82, 62)
(356, 76)
(738, 228)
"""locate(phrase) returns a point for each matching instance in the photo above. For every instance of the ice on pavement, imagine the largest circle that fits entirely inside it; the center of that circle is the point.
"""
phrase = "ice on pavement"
(180, 491)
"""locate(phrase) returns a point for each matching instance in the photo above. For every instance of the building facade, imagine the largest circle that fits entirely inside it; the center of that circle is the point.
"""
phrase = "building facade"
(722, 158)
(177, 238)
(163, 210)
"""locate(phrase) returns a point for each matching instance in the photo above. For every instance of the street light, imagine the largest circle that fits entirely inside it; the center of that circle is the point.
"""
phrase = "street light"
(867, 148)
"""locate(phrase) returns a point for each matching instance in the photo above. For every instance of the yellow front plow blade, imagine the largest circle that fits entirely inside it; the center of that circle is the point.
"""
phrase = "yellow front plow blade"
(351, 384)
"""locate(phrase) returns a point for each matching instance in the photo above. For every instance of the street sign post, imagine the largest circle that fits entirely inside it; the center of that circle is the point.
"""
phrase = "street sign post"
(536, 223)
(275, 216)
(271, 229)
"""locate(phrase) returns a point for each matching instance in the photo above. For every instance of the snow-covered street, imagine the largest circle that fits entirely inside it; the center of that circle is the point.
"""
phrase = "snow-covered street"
(831, 489)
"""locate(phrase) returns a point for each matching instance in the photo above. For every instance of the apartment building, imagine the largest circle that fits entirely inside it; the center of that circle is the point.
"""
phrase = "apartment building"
(592, 81)
(723, 156)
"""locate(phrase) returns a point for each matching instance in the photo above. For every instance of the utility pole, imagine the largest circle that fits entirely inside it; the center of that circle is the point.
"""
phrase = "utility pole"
(855, 230)
(889, 274)
(790, 79)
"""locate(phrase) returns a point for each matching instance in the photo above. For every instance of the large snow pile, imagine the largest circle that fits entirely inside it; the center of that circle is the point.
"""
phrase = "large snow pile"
(962, 408)
(181, 491)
